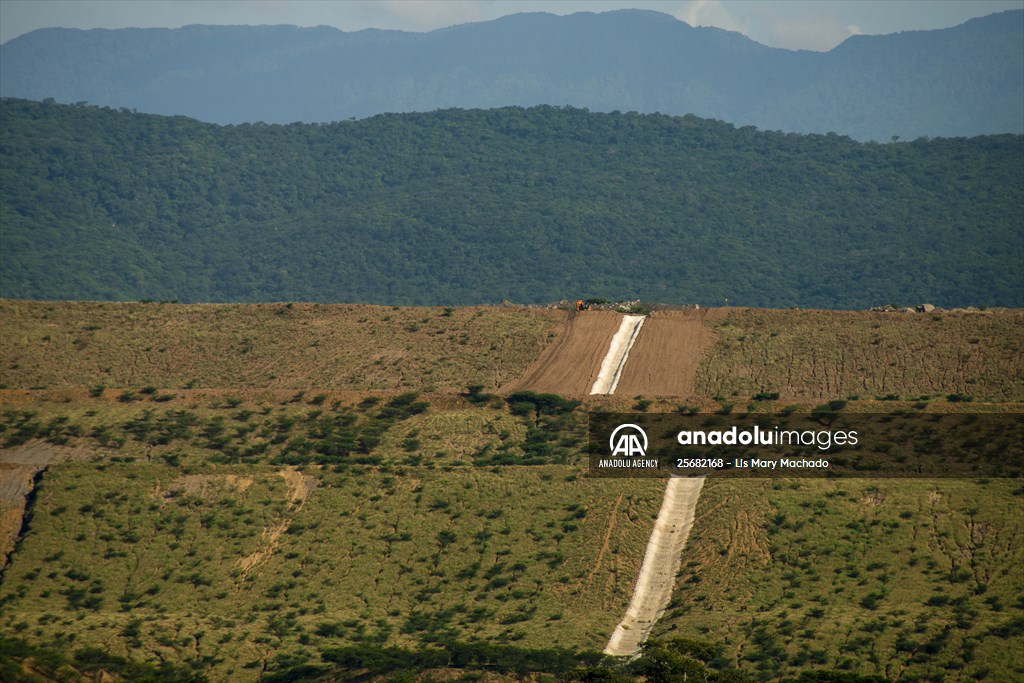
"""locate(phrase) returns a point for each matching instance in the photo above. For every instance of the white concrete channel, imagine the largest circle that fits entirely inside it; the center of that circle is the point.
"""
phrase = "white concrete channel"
(618, 352)
(653, 589)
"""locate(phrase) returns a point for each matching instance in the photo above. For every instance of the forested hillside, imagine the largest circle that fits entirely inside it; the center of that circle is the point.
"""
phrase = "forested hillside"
(476, 206)
(960, 81)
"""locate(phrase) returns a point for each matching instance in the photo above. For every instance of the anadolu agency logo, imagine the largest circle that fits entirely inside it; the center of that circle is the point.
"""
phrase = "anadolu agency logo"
(625, 440)
(628, 446)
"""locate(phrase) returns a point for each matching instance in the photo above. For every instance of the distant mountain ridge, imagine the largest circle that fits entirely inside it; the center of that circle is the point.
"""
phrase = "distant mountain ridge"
(962, 81)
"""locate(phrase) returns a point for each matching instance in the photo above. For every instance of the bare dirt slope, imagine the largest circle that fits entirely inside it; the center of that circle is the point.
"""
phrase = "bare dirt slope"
(653, 588)
(665, 356)
(570, 364)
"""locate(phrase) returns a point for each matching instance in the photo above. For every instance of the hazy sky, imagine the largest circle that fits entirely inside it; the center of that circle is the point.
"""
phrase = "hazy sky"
(794, 24)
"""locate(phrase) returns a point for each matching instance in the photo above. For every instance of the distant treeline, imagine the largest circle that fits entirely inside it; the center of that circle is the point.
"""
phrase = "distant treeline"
(476, 206)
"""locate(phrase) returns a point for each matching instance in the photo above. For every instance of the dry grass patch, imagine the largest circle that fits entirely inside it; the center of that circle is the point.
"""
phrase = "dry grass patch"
(341, 347)
(450, 436)
(836, 354)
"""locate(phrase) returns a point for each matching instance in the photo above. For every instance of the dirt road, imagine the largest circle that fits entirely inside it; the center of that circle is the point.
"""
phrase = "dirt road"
(570, 365)
(664, 358)
(653, 588)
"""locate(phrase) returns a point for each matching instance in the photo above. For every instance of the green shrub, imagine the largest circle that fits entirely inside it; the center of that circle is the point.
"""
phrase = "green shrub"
(474, 394)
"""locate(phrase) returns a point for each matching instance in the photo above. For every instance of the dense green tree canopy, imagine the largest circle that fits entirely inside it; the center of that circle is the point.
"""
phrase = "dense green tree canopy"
(475, 206)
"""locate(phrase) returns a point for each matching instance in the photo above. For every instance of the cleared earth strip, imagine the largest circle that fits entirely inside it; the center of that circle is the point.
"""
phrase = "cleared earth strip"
(570, 364)
(677, 341)
(664, 360)
(579, 355)
(662, 558)
(618, 352)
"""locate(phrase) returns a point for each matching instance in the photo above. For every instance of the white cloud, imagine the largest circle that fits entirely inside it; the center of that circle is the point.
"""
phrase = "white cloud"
(426, 16)
(782, 23)
(710, 13)
(822, 31)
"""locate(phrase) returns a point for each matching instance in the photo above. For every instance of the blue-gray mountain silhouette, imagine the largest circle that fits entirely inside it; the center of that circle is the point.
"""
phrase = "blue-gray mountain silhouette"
(960, 81)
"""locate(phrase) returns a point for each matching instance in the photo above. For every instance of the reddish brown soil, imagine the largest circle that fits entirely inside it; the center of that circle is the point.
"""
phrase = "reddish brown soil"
(665, 355)
(569, 365)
